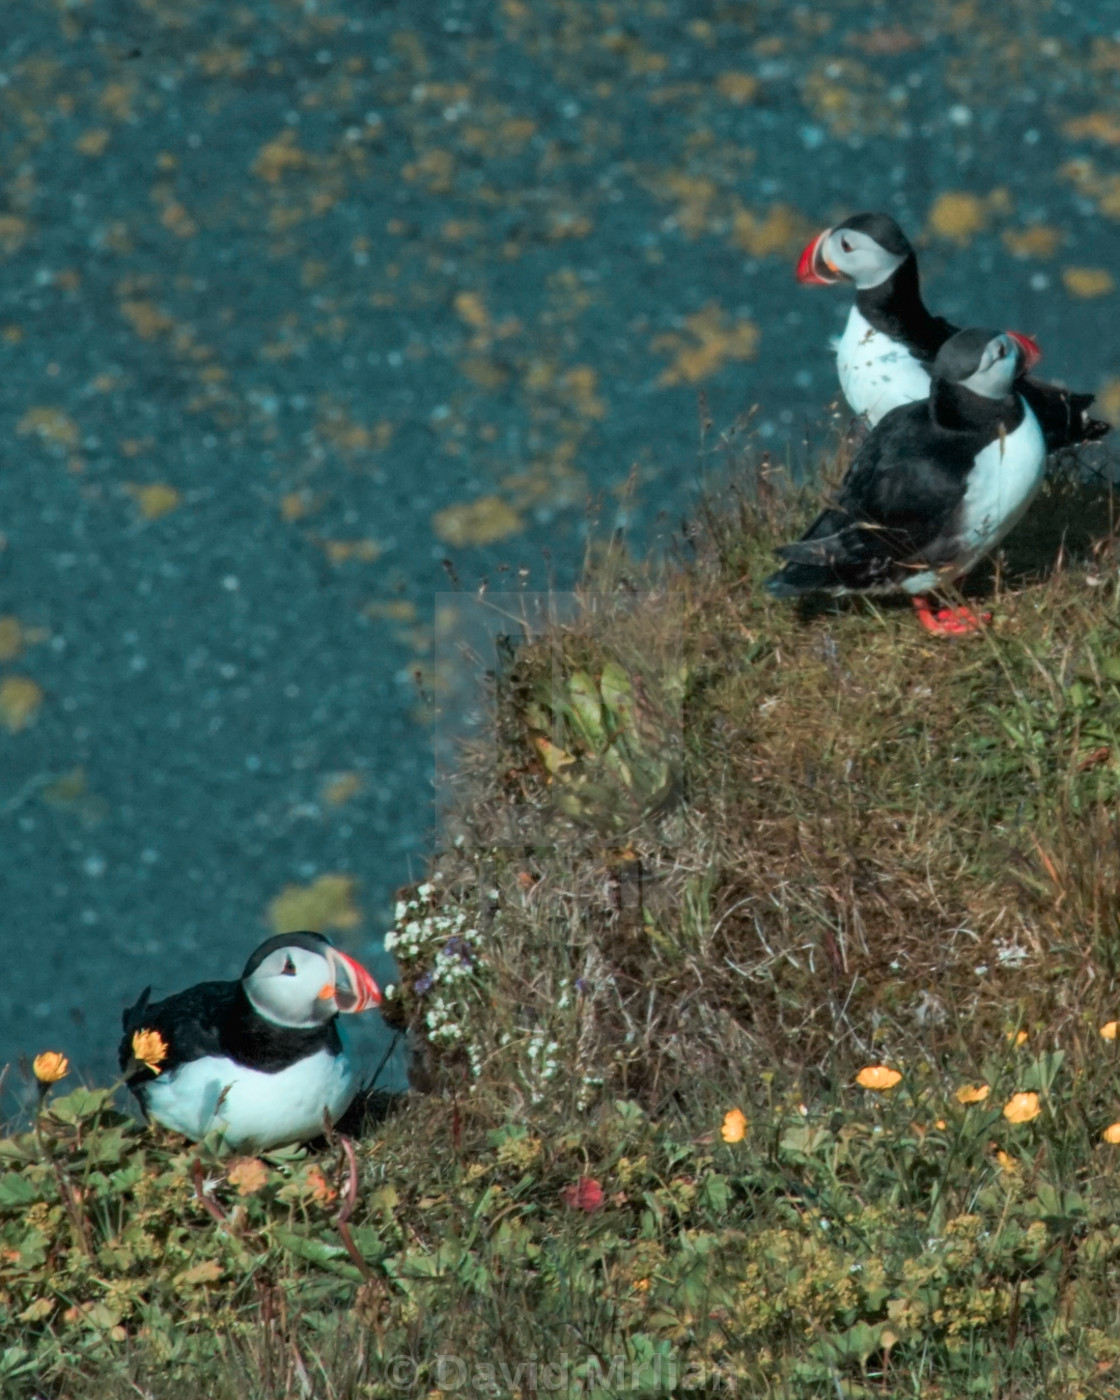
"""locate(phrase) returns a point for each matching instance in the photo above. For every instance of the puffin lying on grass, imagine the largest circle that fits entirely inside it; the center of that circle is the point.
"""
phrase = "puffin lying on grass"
(934, 487)
(260, 1060)
(891, 339)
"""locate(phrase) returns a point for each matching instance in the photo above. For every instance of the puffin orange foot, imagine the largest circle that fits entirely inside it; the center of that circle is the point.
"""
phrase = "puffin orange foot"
(949, 622)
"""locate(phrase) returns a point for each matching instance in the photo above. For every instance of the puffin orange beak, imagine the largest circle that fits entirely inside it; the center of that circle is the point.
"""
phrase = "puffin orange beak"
(1029, 350)
(353, 988)
(813, 267)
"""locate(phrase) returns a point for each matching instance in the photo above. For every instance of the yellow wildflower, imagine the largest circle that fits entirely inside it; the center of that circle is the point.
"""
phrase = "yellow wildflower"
(1112, 1133)
(248, 1174)
(972, 1093)
(1109, 1029)
(1022, 1108)
(50, 1067)
(1006, 1161)
(150, 1048)
(878, 1077)
(734, 1125)
(1017, 1038)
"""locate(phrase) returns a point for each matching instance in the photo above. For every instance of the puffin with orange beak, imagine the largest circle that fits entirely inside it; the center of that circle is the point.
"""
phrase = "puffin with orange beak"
(891, 339)
(261, 1061)
(934, 487)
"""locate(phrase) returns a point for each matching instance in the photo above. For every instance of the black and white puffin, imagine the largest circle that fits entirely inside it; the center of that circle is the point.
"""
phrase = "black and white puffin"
(934, 487)
(260, 1060)
(891, 339)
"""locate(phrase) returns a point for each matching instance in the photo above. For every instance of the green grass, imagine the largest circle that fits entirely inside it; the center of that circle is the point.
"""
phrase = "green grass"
(766, 849)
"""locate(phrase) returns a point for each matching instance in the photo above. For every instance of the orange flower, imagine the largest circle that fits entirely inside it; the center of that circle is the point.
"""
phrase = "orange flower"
(1017, 1038)
(878, 1077)
(1112, 1133)
(734, 1125)
(1109, 1029)
(319, 1187)
(972, 1093)
(248, 1174)
(50, 1067)
(1022, 1108)
(150, 1048)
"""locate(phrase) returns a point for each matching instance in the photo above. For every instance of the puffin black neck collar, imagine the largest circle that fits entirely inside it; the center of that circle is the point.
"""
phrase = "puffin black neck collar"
(895, 307)
(958, 409)
(252, 1040)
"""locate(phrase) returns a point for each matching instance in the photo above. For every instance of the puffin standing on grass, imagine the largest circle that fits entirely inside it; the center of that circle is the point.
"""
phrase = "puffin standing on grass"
(891, 339)
(261, 1059)
(934, 488)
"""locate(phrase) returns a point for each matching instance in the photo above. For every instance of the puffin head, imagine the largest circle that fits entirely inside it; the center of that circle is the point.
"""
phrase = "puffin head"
(300, 980)
(986, 362)
(865, 249)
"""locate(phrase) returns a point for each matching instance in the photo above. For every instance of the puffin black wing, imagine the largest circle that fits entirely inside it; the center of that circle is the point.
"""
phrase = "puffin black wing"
(189, 1024)
(882, 516)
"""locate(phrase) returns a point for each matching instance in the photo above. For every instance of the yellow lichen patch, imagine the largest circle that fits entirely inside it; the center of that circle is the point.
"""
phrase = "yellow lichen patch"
(145, 318)
(485, 372)
(958, 215)
(11, 638)
(434, 169)
(478, 522)
(739, 88)
(276, 158)
(296, 504)
(1037, 241)
(782, 231)
(711, 341)
(1104, 190)
(116, 99)
(13, 230)
(51, 424)
(20, 701)
(696, 195)
(1098, 126)
(176, 219)
(392, 610)
(326, 903)
(471, 308)
(92, 142)
(341, 788)
(342, 551)
(1087, 281)
(847, 96)
(154, 499)
(577, 385)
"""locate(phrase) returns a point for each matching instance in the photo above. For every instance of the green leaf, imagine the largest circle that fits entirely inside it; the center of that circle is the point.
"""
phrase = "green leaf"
(16, 1190)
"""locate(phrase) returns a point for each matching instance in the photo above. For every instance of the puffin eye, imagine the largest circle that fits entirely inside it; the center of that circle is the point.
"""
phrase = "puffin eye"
(845, 244)
(1001, 352)
(289, 968)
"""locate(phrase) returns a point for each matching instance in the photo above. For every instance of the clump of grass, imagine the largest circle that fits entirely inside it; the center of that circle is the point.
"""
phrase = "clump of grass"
(859, 847)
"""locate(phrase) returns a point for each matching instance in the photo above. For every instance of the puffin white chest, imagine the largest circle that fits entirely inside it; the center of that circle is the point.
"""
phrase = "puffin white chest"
(876, 372)
(1001, 486)
(249, 1107)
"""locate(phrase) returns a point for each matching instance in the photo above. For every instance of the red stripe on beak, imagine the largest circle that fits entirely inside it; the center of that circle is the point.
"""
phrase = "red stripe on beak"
(810, 266)
(1029, 349)
(354, 987)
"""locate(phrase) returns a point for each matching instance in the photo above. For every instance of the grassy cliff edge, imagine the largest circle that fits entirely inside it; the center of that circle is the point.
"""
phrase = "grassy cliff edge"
(764, 1010)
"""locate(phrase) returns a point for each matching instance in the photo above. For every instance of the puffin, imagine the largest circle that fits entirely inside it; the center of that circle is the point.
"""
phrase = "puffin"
(891, 339)
(934, 487)
(260, 1060)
